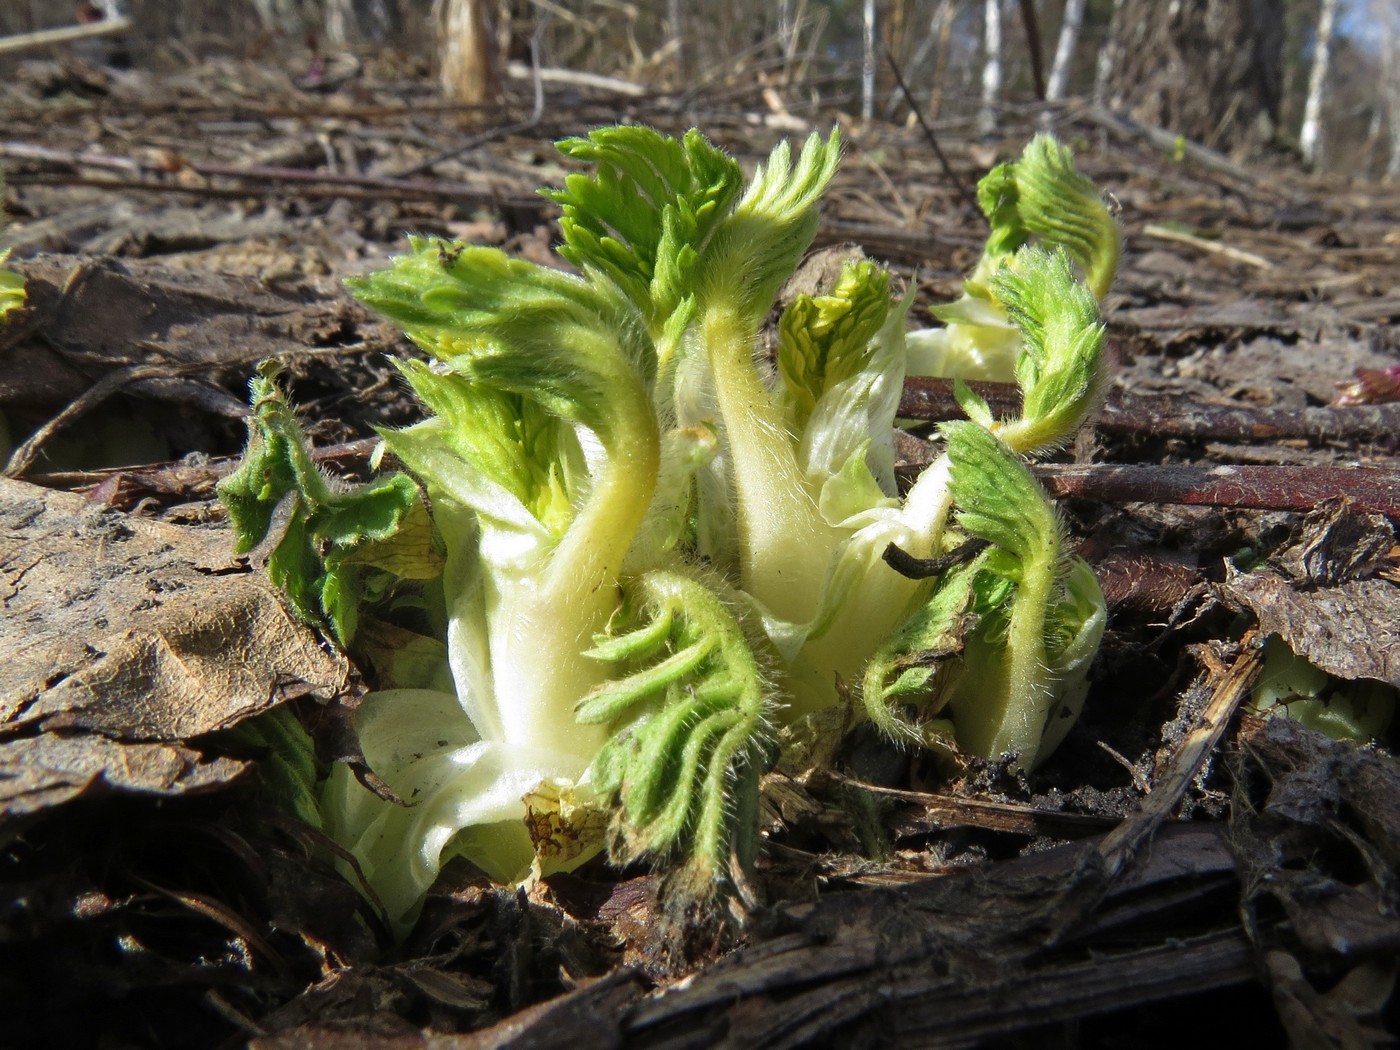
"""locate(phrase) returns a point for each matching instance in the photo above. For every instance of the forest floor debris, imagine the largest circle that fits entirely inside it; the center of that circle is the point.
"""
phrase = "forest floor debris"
(176, 230)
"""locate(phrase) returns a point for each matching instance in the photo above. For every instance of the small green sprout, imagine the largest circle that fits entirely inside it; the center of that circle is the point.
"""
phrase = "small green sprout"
(1040, 198)
(1290, 686)
(12, 294)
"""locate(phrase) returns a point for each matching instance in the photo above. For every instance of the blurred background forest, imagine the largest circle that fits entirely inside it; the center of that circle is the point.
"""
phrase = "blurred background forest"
(1309, 83)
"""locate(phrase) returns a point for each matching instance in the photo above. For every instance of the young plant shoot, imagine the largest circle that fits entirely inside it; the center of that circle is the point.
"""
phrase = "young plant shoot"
(1041, 197)
(656, 550)
(1290, 686)
(12, 294)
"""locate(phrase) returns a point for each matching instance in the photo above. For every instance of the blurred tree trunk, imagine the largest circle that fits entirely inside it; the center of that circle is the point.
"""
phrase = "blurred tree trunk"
(339, 22)
(675, 30)
(468, 65)
(991, 69)
(941, 27)
(941, 14)
(1310, 136)
(1388, 19)
(1064, 50)
(1108, 55)
(1208, 69)
(785, 30)
(279, 16)
(867, 73)
(1392, 169)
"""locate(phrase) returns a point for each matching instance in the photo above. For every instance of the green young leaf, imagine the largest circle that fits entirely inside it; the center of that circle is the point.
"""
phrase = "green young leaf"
(825, 339)
(974, 406)
(1061, 370)
(279, 500)
(759, 244)
(774, 533)
(1043, 195)
(509, 439)
(645, 212)
(576, 347)
(413, 552)
(286, 769)
(1290, 686)
(903, 669)
(998, 499)
(999, 199)
(1004, 704)
(12, 293)
(840, 374)
(695, 725)
(1043, 198)
(1065, 210)
(1075, 630)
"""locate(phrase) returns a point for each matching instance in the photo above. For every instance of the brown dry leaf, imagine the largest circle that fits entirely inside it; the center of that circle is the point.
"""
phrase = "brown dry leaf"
(97, 317)
(1323, 848)
(1351, 631)
(39, 772)
(1321, 598)
(1336, 1018)
(121, 639)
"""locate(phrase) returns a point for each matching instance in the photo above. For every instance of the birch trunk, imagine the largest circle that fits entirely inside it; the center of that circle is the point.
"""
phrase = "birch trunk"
(940, 61)
(991, 69)
(867, 78)
(1064, 50)
(339, 22)
(1103, 68)
(1310, 136)
(278, 16)
(467, 70)
(1389, 20)
(935, 32)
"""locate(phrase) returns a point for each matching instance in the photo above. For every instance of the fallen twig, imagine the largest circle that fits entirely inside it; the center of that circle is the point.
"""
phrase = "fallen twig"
(1165, 233)
(63, 35)
(1156, 416)
(1373, 490)
(331, 184)
(579, 78)
(1108, 864)
(1171, 144)
(896, 966)
(1230, 687)
(404, 192)
(950, 811)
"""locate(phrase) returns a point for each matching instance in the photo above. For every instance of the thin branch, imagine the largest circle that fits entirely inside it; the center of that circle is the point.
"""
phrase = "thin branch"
(286, 180)
(969, 198)
(932, 400)
(1165, 233)
(1372, 490)
(63, 35)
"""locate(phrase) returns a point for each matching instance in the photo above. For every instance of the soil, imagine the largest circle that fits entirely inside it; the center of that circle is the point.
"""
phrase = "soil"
(1181, 869)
